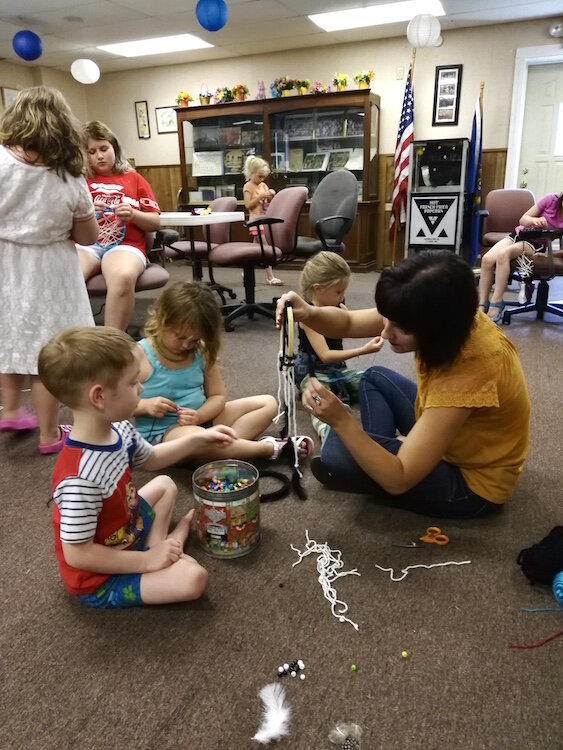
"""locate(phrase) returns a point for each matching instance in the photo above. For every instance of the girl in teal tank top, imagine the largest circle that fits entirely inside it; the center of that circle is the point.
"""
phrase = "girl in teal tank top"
(183, 390)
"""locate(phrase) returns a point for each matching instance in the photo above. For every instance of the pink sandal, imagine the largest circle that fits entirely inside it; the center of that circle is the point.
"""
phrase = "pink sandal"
(57, 446)
(24, 422)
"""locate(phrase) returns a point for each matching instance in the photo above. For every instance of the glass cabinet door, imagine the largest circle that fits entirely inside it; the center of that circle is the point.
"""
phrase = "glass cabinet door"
(216, 149)
(306, 145)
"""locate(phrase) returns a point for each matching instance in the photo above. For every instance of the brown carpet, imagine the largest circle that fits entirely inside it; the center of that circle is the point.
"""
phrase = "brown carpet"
(188, 676)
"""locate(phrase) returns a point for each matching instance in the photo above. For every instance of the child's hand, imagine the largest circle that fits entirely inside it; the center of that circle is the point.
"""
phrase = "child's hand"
(373, 346)
(124, 211)
(540, 221)
(163, 554)
(158, 406)
(187, 416)
(271, 194)
(100, 205)
(220, 435)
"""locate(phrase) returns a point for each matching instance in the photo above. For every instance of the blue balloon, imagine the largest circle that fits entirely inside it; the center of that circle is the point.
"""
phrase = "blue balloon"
(212, 14)
(27, 45)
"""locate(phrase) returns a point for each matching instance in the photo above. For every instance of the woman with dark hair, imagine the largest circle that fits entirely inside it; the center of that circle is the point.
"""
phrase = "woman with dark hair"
(452, 444)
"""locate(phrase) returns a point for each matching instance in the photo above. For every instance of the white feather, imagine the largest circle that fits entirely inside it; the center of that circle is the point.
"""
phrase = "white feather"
(275, 722)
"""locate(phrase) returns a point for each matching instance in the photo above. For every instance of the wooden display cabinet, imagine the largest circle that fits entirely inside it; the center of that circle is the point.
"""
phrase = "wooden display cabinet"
(301, 137)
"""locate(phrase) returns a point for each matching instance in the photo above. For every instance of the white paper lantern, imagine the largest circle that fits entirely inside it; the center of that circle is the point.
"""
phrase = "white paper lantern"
(423, 30)
(85, 71)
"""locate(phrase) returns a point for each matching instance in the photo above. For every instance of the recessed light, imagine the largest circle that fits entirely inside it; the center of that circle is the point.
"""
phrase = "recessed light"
(376, 15)
(156, 46)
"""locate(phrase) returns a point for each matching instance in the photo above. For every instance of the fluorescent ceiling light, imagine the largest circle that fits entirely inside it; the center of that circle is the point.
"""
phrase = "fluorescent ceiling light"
(157, 46)
(376, 15)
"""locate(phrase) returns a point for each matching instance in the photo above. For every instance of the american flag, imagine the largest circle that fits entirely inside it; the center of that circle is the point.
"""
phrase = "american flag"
(401, 162)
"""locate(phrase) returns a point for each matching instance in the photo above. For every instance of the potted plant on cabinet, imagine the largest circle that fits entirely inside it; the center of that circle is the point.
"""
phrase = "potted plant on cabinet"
(223, 95)
(340, 80)
(302, 85)
(204, 94)
(184, 98)
(363, 78)
(282, 86)
(240, 92)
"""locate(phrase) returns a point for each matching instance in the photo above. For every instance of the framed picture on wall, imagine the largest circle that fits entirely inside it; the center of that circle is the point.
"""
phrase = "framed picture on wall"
(7, 96)
(166, 121)
(447, 90)
(142, 114)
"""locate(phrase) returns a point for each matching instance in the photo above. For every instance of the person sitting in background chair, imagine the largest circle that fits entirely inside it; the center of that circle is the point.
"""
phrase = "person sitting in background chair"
(497, 262)
(126, 210)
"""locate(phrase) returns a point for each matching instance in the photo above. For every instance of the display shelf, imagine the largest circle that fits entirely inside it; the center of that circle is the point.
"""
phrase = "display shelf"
(301, 137)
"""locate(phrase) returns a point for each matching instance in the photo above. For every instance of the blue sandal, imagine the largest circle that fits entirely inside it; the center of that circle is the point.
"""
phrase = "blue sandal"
(484, 308)
(500, 307)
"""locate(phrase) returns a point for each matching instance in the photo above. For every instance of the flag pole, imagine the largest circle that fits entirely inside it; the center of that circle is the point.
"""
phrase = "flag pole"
(396, 226)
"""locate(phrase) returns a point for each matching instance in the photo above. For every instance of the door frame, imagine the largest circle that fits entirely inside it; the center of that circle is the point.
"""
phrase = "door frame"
(525, 56)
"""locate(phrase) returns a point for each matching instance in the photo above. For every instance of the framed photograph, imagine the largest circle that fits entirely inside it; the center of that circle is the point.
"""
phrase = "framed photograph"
(207, 164)
(142, 113)
(447, 90)
(329, 126)
(166, 121)
(233, 161)
(316, 161)
(7, 96)
(299, 127)
(338, 159)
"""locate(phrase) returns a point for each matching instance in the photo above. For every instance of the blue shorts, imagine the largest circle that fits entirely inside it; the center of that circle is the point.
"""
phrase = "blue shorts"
(123, 590)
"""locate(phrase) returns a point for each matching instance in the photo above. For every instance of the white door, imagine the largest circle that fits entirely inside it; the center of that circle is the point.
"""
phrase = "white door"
(541, 156)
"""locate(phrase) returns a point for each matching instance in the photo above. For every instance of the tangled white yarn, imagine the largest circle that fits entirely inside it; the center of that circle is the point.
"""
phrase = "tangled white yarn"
(329, 562)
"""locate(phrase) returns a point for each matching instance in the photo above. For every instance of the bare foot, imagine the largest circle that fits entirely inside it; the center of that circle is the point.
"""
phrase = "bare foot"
(182, 530)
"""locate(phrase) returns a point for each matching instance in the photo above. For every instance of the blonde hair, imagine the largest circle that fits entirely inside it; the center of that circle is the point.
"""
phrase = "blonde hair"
(192, 305)
(99, 131)
(324, 268)
(79, 356)
(40, 120)
(254, 165)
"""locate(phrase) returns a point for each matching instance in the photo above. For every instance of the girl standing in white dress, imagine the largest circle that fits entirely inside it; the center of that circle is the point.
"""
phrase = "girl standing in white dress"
(45, 204)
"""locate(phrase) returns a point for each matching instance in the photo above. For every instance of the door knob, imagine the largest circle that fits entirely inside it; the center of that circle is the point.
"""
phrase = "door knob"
(523, 184)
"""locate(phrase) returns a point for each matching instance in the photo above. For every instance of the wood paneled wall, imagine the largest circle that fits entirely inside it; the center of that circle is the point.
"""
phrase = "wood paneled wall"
(166, 181)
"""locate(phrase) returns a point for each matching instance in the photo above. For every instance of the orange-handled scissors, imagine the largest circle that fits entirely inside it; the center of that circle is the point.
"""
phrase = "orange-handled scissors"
(434, 536)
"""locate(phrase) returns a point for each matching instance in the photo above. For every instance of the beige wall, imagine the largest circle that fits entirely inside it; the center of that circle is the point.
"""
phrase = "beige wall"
(486, 53)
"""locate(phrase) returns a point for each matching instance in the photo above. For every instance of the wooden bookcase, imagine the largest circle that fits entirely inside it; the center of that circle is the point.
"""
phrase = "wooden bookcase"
(301, 137)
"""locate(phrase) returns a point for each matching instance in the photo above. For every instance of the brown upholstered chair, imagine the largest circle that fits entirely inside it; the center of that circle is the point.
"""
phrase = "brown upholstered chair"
(502, 212)
(280, 226)
(213, 235)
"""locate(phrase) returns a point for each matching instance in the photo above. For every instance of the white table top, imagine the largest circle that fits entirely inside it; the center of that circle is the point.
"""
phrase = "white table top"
(186, 219)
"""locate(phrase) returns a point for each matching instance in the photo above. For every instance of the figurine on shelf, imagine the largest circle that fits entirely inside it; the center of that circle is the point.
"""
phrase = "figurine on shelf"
(261, 93)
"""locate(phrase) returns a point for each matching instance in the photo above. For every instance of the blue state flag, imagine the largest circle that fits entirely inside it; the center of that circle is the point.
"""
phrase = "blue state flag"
(473, 182)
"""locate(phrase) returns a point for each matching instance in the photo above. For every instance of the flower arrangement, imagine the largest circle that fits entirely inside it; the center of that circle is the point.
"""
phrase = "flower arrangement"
(281, 84)
(302, 83)
(240, 91)
(340, 79)
(204, 90)
(223, 95)
(318, 88)
(363, 76)
(184, 97)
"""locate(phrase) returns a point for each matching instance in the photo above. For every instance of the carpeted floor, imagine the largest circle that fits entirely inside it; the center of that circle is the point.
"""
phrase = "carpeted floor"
(187, 677)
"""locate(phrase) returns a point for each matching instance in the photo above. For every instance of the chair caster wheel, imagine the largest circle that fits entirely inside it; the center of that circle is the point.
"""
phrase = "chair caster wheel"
(229, 328)
(232, 295)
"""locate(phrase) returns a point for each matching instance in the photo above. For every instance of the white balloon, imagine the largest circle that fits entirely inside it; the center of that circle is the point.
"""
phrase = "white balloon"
(85, 71)
(424, 30)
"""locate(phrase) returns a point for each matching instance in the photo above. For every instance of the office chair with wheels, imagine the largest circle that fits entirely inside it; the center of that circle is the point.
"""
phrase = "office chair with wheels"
(332, 214)
(280, 227)
(545, 268)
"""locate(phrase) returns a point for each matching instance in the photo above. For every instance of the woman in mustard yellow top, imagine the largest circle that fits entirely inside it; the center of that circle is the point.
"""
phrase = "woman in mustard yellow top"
(452, 444)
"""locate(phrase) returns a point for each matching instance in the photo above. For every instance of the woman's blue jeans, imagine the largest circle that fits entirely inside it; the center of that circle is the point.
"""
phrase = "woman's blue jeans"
(387, 406)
